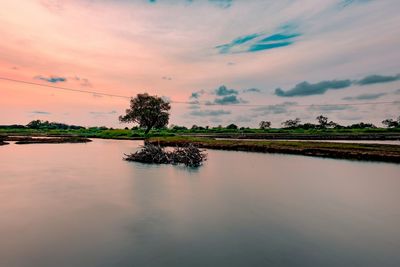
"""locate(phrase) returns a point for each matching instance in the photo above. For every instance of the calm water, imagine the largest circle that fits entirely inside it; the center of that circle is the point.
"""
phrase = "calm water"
(80, 205)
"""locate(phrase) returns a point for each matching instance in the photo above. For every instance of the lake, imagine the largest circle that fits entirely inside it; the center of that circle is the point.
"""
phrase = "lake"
(81, 205)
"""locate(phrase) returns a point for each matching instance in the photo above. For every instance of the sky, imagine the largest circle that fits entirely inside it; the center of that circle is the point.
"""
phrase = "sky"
(217, 61)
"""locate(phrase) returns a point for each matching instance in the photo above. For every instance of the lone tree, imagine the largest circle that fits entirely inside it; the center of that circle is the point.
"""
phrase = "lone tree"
(147, 111)
(265, 125)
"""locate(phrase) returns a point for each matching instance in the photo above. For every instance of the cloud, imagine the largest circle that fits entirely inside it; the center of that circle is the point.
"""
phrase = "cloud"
(102, 113)
(274, 109)
(364, 97)
(197, 94)
(243, 118)
(194, 106)
(51, 79)
(230, 99)
(329, 108)
(223, 91)
(82, 81)
(345, 3)
(265, 46)
(221, 3)
(306, 89)
(209, 112)
(226, 48)
(372, 79)
(254, 42)
(38, 112)
(251, 90)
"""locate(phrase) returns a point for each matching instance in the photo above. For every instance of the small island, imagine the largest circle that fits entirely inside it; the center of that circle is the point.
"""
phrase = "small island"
(22, 140)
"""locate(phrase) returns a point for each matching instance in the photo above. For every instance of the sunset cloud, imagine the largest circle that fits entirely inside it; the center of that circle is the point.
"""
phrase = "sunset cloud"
(51, 79)
(306, 88)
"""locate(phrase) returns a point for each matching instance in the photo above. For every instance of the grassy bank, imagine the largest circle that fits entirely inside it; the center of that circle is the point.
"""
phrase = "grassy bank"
(52, 140)
(373, 152)
(315, 134)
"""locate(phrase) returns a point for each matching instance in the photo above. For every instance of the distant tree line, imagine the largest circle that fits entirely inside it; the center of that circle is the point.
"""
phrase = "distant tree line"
(43, 125)
(322, 122)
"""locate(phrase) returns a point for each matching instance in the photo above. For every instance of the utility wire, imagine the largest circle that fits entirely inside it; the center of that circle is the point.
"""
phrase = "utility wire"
(200, 103)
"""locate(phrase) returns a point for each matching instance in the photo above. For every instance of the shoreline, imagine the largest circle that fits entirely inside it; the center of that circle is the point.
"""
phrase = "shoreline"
(350, 151)
(22, 140)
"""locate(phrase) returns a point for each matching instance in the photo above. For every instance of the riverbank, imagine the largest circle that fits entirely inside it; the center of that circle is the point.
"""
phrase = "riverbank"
(387, 136)
(369, 152)
(267, 134)
(20, 140)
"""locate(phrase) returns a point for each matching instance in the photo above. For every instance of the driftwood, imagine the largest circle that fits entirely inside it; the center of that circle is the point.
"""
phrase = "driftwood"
(190, 155)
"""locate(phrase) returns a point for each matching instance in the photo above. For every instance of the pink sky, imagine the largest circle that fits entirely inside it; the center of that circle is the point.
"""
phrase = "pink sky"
(168, 48)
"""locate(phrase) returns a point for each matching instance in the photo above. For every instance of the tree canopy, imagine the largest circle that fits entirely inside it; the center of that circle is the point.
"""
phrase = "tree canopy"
(147, 111)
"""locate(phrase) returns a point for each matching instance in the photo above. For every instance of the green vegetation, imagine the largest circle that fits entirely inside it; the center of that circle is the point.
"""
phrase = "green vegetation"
(376, 152)
(48, 140)
(324, 129)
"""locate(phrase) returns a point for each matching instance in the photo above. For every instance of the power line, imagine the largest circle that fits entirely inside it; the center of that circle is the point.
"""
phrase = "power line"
(63, 88)
(200, 103)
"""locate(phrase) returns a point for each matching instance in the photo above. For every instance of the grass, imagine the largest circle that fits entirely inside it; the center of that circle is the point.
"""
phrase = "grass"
(376, 152)
(139, 134)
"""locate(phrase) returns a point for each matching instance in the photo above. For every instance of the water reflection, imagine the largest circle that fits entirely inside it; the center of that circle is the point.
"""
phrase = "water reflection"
(81, 205)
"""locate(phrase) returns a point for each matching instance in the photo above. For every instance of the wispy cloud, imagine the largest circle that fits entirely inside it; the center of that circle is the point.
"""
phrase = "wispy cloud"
(51, 79)
(306, 89)
(254, 42)
(345, 3)
(329, 108)
(372, 79)
(251, 90)
(273, 109)
(82, 81)
(226, 48)
(209, 112)
(39, 112)
(364, 97)
(218, 3)
(222, 3)
(102, 113)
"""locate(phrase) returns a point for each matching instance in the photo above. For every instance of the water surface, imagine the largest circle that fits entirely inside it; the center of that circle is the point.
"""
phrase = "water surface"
(81, 205)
